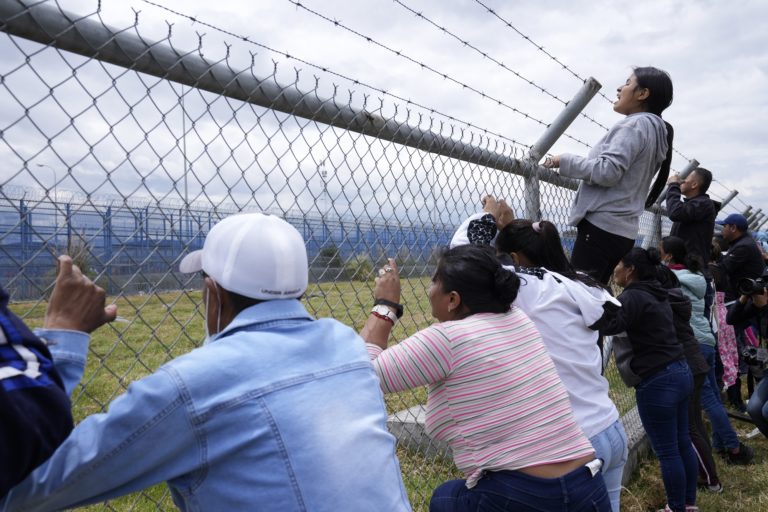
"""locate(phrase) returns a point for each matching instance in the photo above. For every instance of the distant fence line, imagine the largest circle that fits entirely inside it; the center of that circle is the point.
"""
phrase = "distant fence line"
(120, 241)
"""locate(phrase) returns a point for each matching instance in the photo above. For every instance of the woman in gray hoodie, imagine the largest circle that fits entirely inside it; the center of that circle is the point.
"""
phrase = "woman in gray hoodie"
(617, 173)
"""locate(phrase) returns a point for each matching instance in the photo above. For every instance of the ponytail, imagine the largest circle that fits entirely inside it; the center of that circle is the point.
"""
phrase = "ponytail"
(659, 83)
(663, 174)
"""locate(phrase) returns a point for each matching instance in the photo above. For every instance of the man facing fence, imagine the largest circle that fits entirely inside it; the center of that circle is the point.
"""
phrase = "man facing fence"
(277, 411)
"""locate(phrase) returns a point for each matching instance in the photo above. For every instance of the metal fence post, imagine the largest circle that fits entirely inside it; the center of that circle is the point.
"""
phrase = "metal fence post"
(547, 140)
(753, 215)
(756, 221)
(762, 224)
(729, 198)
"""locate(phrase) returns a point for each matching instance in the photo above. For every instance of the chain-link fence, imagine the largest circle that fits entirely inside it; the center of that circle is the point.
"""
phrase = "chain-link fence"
(123, 152)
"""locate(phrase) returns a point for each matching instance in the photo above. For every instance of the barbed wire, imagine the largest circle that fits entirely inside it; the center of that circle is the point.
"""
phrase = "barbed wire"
(326, 69)
(537, 46)
(429, 68)
(488, 56)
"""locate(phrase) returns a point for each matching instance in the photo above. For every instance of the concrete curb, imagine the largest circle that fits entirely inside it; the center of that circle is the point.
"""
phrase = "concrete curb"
(408, 427)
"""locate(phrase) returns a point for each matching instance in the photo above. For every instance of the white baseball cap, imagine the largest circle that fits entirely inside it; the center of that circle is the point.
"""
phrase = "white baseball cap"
(252, 254)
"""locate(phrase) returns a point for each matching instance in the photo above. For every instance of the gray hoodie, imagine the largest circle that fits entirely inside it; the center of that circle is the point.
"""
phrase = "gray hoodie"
(617, 174)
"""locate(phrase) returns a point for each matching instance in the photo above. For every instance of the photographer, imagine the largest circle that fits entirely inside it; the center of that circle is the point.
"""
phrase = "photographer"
(752, 308)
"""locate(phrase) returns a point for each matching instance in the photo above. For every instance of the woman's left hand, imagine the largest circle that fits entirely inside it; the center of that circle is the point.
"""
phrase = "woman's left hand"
(387, 284)
(552, 162)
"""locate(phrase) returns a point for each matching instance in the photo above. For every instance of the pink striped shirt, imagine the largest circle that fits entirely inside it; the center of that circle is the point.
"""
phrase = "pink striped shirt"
(494, 394)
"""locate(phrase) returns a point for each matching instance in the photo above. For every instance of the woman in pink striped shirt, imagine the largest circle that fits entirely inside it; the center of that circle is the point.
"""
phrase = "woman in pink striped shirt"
(493, 392)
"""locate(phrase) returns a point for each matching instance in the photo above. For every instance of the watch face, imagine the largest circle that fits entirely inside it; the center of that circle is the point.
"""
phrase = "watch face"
(384, 310)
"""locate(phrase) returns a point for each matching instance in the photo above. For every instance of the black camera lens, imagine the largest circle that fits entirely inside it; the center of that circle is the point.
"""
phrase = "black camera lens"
(747, 286)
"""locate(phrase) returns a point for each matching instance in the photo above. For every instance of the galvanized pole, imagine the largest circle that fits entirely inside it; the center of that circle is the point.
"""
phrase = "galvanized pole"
(747, 211)
(762, 224)
(692, 164)
(752, 216)
(729, 198)
(756, 220)
(47, 24)
(547, 140)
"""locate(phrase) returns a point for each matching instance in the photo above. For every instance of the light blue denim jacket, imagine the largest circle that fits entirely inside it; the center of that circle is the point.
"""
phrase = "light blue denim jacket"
(278, 412)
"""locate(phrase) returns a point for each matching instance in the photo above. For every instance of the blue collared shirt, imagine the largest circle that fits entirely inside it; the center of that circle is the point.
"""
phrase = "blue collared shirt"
(278, 412)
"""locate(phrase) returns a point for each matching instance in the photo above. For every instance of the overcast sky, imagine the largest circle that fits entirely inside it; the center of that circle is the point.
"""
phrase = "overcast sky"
(715, 52)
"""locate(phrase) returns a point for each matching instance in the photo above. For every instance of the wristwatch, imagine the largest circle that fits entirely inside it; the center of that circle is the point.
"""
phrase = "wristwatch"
(397, 307)
(381, 310)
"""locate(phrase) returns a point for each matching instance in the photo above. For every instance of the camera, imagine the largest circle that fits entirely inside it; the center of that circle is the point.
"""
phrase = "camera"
(755, 356)
(749, 286)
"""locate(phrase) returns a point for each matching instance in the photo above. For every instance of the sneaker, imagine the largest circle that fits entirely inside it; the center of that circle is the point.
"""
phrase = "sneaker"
(691, 508)
(743, 457)
(665, 509)
(717, 488)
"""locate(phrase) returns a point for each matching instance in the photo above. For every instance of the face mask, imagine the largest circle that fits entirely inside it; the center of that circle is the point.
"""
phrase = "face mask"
(208, 335)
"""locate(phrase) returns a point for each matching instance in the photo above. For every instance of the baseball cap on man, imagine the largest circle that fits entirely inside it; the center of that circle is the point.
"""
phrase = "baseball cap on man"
(255, 255)
(735, 219)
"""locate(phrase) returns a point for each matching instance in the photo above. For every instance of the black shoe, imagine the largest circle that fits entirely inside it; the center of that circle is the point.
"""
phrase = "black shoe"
(741, 458)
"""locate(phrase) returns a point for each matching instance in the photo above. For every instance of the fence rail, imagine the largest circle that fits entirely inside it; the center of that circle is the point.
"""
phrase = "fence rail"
(126, 151)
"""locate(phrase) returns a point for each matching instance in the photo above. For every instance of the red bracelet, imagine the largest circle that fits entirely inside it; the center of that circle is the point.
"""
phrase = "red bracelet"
(383, 317)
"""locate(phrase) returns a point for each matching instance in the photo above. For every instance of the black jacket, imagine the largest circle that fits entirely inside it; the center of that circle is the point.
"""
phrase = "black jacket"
(681, 316)
(743, 259)
(35, 412)
(646, 316)
(693, 220)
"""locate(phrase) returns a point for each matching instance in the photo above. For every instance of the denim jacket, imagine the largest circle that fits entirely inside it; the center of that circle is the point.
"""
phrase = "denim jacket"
(277, 412)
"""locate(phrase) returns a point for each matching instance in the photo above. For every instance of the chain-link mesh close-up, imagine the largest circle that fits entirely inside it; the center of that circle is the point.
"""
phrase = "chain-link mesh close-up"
(123, 152)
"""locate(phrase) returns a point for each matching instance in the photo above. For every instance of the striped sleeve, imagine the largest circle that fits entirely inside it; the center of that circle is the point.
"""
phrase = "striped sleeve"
(424, 358)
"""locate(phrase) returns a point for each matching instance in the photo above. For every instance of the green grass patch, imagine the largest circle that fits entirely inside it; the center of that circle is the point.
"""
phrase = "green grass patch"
(745, 488)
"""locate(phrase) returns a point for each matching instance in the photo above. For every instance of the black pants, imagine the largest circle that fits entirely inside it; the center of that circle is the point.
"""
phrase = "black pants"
(597, 252)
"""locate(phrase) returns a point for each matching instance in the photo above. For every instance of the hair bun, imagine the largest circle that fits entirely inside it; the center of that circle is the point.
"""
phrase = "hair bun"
(654, 256)
(505, 285)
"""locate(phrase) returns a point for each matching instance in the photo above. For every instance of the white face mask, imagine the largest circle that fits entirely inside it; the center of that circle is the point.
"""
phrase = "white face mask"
(218, 310)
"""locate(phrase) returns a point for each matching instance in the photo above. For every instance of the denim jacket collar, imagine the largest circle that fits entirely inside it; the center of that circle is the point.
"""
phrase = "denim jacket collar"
(264, 313)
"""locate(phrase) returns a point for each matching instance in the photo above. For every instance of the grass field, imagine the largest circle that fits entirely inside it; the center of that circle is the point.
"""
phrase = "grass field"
(745, 488)
(163, 326)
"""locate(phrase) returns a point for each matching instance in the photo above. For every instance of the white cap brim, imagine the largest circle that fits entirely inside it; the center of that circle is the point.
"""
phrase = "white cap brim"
(192, 262)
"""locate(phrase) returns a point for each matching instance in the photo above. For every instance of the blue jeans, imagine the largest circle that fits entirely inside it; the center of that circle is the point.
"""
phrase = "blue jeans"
(662, 401)
(758, 406)
(723, 435)
(504, 491)
(611, 447)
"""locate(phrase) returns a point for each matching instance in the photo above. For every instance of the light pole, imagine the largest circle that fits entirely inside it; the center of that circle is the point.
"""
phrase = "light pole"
(55, 181)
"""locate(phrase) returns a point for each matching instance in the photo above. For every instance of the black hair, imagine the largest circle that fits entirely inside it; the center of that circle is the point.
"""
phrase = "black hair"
(719, 246)
(645, 262)
(543, 247)
(659, 85)
(675, 247)
(666, 277)
(705, 179)
(476, 274)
